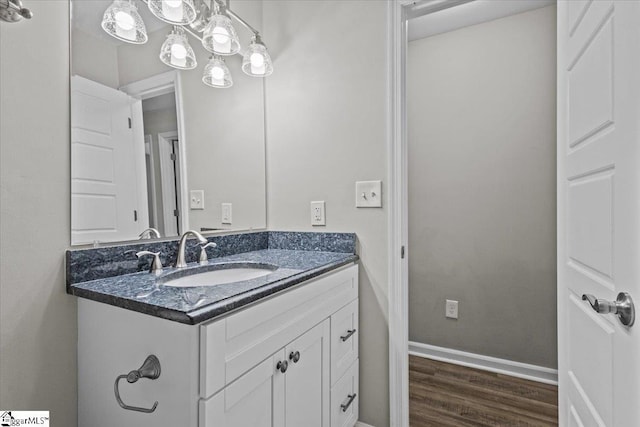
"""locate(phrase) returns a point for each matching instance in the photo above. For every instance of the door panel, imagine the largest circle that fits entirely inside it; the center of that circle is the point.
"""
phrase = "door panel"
(307, 380)
(103, 167)
(255, 399)
(598, 209)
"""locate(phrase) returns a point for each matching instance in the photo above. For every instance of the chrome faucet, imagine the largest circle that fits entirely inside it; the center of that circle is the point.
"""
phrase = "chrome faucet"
(180, 261)
(149, 233)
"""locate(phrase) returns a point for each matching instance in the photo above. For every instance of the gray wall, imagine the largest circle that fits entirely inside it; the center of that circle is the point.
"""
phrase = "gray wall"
(94, 59)
(482, 213)
(37, 318)
(326, 115)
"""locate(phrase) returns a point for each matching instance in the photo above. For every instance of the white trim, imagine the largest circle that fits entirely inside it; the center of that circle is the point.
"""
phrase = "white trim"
(161, 84)
(486, 363)
(361, 424)
(397, 224)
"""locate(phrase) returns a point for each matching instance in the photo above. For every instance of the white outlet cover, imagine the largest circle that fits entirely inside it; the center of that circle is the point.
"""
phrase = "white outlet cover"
(227, 213)
(451, 309)
(317, 213)
(369, 194)
(196, 199)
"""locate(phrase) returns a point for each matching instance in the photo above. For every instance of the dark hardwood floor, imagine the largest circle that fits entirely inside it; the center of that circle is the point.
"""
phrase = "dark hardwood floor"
(446, 395)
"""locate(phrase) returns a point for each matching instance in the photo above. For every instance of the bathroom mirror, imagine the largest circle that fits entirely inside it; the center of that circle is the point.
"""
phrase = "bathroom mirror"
(153, 146)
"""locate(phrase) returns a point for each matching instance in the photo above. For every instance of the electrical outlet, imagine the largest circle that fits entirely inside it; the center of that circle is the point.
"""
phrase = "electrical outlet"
(227, 213)
(451, 309)
(317, 213)
(196, 199)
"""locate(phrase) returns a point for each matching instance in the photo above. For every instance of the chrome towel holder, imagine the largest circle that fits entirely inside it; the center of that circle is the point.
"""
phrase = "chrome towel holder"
(149, 369)
(12, 11)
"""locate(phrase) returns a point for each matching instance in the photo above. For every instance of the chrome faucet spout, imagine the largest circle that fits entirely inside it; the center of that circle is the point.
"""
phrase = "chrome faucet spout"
(149, 233)
(180, 259)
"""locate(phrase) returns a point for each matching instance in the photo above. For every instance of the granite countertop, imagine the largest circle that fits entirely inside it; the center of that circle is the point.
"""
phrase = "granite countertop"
(144, 292)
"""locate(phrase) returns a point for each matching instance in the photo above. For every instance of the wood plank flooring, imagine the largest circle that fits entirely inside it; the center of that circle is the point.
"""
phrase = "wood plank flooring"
(446, 395)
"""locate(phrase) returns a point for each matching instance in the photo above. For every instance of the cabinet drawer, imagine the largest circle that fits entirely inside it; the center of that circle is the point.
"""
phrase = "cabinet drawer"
(345, 398)
(231, 346)
(344, 339)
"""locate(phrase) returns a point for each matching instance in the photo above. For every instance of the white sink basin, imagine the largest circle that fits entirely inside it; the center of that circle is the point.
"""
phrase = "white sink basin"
(218, 277)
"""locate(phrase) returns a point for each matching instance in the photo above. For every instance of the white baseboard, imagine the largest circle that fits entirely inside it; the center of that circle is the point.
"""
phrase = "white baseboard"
(487, 363)
(361, 424)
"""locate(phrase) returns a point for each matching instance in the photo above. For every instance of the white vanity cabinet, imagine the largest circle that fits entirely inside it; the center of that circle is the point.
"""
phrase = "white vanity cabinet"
(289, 360)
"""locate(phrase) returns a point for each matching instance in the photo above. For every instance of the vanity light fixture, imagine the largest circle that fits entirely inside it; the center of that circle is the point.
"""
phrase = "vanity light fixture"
(256, 61)
(219, 35)
(216, 73)
(176, 51)
(122, 21)
(179, 12)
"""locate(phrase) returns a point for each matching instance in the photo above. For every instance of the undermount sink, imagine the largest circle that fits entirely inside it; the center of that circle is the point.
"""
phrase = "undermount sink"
(214, 275)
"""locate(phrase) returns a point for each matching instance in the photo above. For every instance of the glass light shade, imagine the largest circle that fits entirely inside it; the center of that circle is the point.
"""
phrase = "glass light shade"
(176, 51)
(220, 37)
(122, 21)
(216, 73)
(256, 61)
(179, 12)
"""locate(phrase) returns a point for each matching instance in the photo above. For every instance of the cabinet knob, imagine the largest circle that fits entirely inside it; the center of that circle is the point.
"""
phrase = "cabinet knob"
(350, 399)
(282, 366)
(294, 357)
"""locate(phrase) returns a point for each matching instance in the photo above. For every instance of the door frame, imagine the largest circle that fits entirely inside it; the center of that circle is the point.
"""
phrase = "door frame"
(161, 84)
(398, 14)
(165, 138)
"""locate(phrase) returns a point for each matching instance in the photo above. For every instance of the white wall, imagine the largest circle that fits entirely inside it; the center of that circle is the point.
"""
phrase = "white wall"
(37, 318)
(482, 192)
(326, 115)
(94, 59)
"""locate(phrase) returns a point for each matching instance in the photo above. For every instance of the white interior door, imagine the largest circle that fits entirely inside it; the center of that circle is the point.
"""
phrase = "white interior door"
(104, 176)
(598, 209)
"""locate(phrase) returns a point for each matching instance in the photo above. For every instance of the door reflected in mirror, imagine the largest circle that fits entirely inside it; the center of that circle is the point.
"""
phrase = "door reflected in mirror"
(155, 148)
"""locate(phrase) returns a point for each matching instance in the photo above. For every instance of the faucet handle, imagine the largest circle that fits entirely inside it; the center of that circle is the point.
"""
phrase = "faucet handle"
(156, 264)
(204, 258)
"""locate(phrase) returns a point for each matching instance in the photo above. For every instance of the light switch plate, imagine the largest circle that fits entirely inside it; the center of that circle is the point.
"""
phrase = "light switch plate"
(196, 199)
(369, 194)
(317, 213)
(451, 309)
(227, 213)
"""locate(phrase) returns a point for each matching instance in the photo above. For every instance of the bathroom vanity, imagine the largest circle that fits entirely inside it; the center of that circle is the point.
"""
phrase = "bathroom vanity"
(278, 350)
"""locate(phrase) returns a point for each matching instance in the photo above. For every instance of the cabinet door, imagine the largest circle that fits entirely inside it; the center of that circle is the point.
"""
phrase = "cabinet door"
(255, 399)
(307, 379)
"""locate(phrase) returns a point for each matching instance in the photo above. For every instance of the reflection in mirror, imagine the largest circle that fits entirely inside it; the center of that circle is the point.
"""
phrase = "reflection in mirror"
(153, 147)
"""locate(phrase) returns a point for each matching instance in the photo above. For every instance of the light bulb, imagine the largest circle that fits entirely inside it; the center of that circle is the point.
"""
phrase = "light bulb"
(217, 73)
(172, 10)
(257, 60)
(220, 35)
(124, 21)
(178, 51)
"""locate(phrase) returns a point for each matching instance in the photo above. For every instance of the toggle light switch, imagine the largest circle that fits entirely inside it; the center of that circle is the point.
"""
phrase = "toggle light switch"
(369, 194)
(196, 199)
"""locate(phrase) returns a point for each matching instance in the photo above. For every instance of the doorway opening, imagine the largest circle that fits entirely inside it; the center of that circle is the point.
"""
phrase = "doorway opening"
(479, 197)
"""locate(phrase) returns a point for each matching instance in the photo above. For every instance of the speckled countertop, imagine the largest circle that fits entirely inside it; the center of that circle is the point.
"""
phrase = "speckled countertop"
(144, 292)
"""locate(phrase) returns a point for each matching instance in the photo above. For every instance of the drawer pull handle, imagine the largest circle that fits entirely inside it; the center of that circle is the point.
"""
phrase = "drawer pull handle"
(294, 357)
(282, 366)
(350, 399)
(349, 333)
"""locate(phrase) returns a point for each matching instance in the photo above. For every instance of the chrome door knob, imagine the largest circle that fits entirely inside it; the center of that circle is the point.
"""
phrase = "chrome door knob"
(623, 307)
